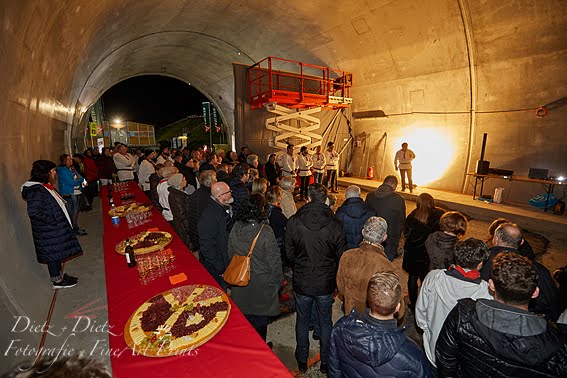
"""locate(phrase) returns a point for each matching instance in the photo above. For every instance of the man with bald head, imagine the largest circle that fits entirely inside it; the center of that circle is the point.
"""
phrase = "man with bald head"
(214, 226)
(507, 238)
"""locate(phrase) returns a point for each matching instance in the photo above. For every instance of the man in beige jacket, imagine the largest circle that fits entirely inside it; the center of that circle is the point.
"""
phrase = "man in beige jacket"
(357, 266)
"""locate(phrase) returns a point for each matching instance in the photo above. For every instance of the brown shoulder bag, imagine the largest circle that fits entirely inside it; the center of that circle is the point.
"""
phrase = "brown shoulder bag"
(237, 272)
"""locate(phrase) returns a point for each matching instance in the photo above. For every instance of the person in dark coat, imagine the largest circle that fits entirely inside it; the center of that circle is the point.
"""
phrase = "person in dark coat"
(259, 299)
(106, 166)
(209, 164)
(500, 337)
(525, 249)
(507, 238)
(419, 224)
(52, 229)
(277, 219)
(392, 207)
(314, 242)
(353, 213)
(214, 227)
(179, 206)
(243, 155)
(440, 245)
(369, 344)
(240, 177)
(272, 170)
(187, 169)
(198, 202)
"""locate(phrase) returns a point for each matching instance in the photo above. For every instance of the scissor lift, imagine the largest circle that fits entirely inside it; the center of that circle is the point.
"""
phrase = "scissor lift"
(294, 91)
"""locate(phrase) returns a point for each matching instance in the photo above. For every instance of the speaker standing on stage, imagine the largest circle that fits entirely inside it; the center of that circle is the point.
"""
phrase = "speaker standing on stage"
(403, 162)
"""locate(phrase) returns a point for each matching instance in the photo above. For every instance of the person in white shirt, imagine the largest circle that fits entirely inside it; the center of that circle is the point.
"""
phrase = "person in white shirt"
(288, 162)
(331, 166)
(442, 288)
(305, 166)
(319, 163)
(164, 156)
(402, 161)
(124, 163)
(147, 167)
(163, 193)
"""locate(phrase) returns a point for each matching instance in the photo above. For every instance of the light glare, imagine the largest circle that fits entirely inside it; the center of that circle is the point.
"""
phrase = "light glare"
(434, 151)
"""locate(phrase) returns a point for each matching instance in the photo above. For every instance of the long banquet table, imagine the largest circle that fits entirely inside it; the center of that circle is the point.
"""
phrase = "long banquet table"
(236, 351)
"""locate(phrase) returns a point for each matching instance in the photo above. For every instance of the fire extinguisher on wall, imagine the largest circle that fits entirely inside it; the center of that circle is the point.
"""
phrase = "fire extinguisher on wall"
(370, 173)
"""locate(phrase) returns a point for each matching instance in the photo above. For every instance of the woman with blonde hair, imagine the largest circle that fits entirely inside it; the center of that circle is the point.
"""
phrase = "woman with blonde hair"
(288, 204)
(260, 185)
(419, 224)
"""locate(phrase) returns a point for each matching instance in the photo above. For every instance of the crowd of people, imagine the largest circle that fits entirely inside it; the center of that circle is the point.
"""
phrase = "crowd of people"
(486, 308)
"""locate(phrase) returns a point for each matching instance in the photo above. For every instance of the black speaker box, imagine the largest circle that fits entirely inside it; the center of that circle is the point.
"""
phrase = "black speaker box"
(482, 167)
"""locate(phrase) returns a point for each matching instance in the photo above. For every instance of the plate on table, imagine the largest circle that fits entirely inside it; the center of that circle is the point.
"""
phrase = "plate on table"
(123, 209)
(177, 321)
(146, 242)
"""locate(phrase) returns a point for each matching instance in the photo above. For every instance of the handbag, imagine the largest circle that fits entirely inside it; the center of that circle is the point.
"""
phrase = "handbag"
(238, 271)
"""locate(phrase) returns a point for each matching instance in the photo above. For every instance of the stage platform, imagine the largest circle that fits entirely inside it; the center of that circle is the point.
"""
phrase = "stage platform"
(527, 217)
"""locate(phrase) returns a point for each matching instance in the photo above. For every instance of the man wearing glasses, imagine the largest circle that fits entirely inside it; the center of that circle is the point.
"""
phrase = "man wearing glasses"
(214, 227)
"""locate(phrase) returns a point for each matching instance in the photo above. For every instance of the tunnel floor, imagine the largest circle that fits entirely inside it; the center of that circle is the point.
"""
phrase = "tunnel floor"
(80, 310)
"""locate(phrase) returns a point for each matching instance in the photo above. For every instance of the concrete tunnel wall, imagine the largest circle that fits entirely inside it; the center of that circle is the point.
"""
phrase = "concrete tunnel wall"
(451, 65)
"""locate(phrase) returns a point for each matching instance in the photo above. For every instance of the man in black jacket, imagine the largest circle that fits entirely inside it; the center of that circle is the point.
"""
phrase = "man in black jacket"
(507, 238)
(198, 202)
(500, 337)
(370, 344)
(240, 176)
(314, 243)
(214, 227)
(391, 206)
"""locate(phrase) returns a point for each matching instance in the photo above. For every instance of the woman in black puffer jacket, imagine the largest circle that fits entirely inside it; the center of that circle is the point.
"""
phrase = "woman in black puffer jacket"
(53, 234)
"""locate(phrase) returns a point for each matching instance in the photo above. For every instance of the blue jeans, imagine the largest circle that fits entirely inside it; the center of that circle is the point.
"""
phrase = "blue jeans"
(72, 205)
(314, 322)
(324, 306)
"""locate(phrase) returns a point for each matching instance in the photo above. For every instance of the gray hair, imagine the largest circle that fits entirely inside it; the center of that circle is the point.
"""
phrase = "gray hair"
(375, 229)
(287, 183)
(352, 191)
(207, 178)
(250, 159)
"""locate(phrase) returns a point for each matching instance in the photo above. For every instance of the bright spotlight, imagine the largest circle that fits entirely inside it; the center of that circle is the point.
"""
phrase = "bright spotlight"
(434, 151)
(117, 120)
(560, 178)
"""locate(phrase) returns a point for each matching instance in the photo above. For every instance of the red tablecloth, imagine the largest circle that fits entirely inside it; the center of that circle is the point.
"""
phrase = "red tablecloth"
(236, 351)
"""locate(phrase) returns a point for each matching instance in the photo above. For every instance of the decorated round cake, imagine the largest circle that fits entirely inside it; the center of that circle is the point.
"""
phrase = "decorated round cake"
(177, 320)
(146, 242)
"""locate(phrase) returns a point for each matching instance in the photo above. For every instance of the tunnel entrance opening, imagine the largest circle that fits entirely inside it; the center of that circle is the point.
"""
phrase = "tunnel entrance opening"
(147, 110)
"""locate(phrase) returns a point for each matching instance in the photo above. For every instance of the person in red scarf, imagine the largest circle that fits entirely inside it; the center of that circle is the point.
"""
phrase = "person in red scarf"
(442, 289)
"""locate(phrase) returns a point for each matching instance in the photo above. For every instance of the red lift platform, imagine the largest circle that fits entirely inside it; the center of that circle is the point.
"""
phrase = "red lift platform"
(298, 85)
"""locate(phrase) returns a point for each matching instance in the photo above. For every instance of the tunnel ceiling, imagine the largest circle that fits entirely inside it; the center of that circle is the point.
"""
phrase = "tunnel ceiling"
(80, 49)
